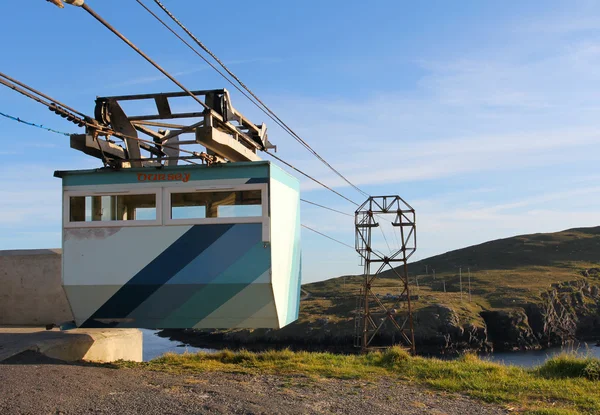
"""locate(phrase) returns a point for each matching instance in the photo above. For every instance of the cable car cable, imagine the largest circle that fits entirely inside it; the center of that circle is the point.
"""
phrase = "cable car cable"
(384, 237)
(52, 105)
(262, 108)
(33, 124)
(310, 177)
(41, 94)
(164, 72)
(287, 128)
(209, 63)
(142, 54)
(325, 207)
(327, 236)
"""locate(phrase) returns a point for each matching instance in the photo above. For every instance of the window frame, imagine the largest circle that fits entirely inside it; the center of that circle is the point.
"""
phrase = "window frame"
(91, 192)
(195, 188)
(163, 205)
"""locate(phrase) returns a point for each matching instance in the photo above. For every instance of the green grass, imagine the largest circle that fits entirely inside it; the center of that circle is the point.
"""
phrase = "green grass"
(564, 385)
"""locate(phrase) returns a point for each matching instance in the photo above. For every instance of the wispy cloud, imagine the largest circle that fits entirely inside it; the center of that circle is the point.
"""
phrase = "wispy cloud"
(150, 79)
(193, 69)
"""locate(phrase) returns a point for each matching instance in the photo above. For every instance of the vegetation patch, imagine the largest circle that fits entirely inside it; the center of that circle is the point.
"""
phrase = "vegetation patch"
(565, 385)
(536, 290)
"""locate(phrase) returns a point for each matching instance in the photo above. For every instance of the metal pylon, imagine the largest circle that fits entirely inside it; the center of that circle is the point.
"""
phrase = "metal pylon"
(372, 314)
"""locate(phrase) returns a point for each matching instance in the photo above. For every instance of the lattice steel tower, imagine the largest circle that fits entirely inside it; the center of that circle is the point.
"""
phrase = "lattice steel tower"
(372, 313)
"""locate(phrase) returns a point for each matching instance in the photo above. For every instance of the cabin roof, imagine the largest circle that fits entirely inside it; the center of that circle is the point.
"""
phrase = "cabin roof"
(108, 170)
(255, 171)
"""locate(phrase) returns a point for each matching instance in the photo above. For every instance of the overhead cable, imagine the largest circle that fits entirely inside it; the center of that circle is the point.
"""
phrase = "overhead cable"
(263, 108)
(24, 92)
(327, 236)
(33, 124)
(164, 72)
(141, 53)
(325, 207)
(310, 177)
(282, 123)
(385, 238)
(209, 63)
(41, 94)
(88, 121)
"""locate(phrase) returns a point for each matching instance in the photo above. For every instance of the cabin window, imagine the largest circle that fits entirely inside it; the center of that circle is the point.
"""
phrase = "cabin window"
(104, 208)
(221, 204)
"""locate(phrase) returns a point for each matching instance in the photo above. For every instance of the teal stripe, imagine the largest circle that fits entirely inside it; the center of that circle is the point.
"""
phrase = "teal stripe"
(242, 241)
(242, 170)
(284, 178)
(248, 268)
(252, 299)
(229, 283)
(212, 293)
(233, 245)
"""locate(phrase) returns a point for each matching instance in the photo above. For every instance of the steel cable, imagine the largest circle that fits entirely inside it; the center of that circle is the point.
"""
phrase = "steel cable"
(281, 122)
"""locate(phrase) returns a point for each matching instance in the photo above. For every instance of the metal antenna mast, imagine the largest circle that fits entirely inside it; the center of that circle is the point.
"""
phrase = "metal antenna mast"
(372, 314)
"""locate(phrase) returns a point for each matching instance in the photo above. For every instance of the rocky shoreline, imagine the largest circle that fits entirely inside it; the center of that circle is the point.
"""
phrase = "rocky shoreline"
(567, 311)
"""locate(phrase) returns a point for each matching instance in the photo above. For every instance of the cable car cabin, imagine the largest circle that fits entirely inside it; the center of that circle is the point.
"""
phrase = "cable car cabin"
(182, 246)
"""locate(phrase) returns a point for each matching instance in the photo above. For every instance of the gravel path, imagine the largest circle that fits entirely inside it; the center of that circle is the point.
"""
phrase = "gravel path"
(30, 384)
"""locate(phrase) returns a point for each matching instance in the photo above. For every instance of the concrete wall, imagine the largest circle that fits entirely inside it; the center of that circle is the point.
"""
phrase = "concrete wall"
(94, 345)
(30, 288)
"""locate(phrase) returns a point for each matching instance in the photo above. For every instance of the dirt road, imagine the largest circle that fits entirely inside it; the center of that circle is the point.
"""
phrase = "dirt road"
(30, 384)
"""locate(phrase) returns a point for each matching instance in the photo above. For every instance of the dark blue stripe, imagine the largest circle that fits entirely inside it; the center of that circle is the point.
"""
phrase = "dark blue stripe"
(258, 180)
(230, 248)
(158, 272)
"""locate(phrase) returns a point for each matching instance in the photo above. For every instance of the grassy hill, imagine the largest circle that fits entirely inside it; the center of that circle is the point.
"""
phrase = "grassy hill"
(525, 292)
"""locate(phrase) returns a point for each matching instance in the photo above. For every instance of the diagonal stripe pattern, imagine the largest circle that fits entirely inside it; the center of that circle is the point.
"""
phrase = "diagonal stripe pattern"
(156, 273)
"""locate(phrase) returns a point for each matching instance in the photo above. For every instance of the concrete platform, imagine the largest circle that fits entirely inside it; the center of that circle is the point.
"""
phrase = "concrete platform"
(94, 345)
(30, 288)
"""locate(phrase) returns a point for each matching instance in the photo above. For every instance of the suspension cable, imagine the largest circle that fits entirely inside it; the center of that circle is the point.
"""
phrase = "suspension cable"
(10, 117)
(41, 94)
(282, 123)
(24, 92)
(142, 54)
(209, 63)
(164, 72)
(325, 207)
(262, 108)
(327, 236)
(384, 237)
(80, 122)
(310, 177)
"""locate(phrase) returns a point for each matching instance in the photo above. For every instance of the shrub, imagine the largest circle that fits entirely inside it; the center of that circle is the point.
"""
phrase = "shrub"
(394, 356)
(592, 370)
(568, 365)
(469, 358)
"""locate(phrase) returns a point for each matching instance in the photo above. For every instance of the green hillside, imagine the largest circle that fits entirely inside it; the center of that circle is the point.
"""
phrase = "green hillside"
(504, 273)
(526, 291)
(540, 249)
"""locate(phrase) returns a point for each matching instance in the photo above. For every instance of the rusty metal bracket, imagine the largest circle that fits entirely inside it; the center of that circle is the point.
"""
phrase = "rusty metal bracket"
(220, 129)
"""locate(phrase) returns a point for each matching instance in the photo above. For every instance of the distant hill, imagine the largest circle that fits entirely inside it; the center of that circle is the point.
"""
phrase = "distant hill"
(541, 249)
(523, 292)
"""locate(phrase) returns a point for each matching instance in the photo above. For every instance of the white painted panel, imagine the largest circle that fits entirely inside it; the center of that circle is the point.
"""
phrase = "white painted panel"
(284, 205)
(86, 300)
(112, 256)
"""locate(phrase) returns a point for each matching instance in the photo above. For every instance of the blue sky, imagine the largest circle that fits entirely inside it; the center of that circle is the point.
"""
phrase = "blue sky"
(483, 116)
